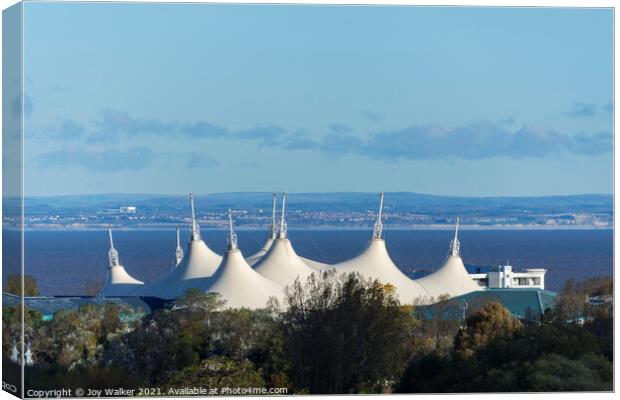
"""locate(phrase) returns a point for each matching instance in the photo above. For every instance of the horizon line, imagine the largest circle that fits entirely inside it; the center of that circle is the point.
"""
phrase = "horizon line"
(308, 192)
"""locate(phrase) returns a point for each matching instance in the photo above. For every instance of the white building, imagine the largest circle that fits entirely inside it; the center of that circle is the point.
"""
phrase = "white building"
(127, 210)
(504, 277)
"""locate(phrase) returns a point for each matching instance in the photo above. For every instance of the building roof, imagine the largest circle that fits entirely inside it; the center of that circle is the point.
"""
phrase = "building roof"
(237, 282)
(451, 278)
(524, 303)
(240, 285)
(118, 282)
(375, 263)
(199, 263)
(282, 264)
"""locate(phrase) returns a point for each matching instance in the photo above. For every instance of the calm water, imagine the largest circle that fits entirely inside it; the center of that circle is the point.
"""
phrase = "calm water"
(64, 262)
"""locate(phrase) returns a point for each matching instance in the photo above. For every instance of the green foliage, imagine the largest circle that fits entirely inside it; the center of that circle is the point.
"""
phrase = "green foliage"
(572, 306)
(438, 327)
(518, 360)
(554, 373)
(483, 325)
(196, 300)
(12, 327)
(344, 334)
(218, 372)
(164, 342)
(336, 334)
(78, 337)
(54, 376)
(14, 285)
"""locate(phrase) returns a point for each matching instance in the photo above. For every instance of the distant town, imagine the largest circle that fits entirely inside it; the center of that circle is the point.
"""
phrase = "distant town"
(318, 211)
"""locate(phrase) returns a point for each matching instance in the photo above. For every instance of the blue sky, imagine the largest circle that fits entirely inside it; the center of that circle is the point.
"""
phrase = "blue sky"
(175, 98)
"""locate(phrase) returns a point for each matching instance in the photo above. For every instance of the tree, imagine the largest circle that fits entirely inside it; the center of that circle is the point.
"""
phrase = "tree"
(439, 323)
(344, 334)
(553, 373)
(14, 285)
(218, 373)
(75, 338)
(483, 325)
(570, 304)
(198, 304)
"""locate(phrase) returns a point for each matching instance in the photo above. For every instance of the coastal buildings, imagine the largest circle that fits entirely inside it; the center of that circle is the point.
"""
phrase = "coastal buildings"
(251, 282)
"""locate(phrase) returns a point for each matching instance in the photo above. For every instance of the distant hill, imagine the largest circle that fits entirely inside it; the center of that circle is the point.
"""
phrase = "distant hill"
(397, 202)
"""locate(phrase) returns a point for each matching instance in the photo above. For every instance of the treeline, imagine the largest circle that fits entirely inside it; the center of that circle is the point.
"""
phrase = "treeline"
(333, 334)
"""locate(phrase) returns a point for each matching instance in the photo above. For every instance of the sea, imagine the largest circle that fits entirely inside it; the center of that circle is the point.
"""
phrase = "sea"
(72, 262)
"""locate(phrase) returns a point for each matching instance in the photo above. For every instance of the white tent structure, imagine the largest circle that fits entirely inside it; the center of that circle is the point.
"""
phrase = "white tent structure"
(452, 278)
(281, 263)
(271, 236)
(118, 282)
(198, 263)
(237, 282)
(375, 263)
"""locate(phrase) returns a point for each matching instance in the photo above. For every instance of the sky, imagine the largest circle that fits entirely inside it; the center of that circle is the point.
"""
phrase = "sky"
(177, 98)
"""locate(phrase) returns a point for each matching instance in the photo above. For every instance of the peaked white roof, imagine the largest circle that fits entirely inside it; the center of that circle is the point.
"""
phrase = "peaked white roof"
(198, 263)
(375, 263)
(452, 277)
(238, 283)
(118, 282)
(281, 263)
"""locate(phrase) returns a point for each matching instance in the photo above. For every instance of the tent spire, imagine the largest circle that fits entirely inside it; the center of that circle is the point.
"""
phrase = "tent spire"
(112, 254)
(232, 236)
(378, 229)
(274, 225)
(455, 245)
(179, 252)
(283, 227)
(195, 227)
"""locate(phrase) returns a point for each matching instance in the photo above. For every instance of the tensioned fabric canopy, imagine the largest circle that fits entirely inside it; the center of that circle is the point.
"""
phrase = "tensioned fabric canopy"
(237, 283)
(451, 278)
(281, 263)
(118, 282)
